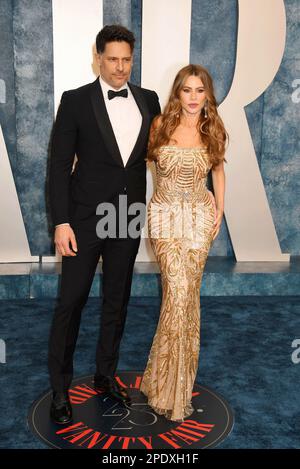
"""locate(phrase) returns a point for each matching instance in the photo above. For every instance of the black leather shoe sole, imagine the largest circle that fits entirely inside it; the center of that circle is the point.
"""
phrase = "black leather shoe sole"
(62, 415)
(125, 399)
(113, 390)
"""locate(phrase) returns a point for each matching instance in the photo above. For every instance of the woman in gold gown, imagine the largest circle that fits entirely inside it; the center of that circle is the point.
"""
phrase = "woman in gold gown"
(186, 142)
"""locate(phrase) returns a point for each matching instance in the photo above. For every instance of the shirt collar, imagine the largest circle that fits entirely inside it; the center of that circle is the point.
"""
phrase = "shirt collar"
(105, 87)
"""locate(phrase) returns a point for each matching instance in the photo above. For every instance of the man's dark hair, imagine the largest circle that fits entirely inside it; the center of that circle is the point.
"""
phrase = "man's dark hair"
(114, 32)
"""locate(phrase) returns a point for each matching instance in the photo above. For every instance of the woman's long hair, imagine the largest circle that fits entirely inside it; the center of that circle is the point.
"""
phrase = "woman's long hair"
(211, 129)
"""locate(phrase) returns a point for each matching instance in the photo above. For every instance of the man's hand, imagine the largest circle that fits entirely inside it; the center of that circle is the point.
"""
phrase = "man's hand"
(64, 235)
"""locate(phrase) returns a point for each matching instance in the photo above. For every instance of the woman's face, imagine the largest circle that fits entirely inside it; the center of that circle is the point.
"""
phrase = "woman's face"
(192, 95)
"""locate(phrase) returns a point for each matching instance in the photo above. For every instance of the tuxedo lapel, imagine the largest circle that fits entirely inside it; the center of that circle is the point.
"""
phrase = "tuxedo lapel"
(105, 126)
(143, 134)
(103, 121)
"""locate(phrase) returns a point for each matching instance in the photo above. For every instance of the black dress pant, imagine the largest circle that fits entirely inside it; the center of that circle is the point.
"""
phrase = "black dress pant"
(118, 257)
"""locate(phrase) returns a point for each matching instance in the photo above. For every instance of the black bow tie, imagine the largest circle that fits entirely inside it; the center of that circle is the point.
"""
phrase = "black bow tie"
(112, 94)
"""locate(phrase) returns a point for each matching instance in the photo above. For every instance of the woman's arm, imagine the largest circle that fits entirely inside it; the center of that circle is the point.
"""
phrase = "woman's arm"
(218, 179)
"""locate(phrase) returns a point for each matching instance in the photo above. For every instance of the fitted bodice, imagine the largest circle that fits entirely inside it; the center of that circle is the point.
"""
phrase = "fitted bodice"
(182, 172)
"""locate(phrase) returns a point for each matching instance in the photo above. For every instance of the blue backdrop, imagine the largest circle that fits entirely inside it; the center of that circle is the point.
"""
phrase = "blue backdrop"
(27, 105)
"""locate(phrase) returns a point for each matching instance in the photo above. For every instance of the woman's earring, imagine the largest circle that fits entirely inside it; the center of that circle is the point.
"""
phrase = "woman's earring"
(205, 112)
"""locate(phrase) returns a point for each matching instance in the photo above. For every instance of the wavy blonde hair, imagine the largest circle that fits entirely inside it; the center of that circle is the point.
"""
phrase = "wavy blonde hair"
(211, 129)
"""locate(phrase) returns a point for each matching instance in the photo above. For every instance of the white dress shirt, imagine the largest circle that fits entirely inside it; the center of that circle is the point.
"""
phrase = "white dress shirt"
(125, 118)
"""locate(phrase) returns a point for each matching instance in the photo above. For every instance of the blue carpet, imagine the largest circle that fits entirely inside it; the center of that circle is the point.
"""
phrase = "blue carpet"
(245, 356)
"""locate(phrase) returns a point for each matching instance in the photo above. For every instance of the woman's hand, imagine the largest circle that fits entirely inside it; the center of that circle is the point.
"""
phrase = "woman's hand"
(217, 222)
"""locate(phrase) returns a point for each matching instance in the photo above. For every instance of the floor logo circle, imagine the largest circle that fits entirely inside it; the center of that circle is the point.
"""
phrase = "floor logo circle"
(99, 422)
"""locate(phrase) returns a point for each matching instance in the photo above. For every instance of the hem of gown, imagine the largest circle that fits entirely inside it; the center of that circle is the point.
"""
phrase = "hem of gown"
(168, 413)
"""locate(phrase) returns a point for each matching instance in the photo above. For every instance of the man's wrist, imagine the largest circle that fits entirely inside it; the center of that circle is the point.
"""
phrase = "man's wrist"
(62, 224)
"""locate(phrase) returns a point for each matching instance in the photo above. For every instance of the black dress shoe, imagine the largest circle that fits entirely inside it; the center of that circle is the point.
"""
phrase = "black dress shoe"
(108, 385)
(61, 409)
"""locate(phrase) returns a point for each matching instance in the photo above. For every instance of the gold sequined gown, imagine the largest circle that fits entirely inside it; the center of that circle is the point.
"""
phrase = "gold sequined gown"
(180, 223)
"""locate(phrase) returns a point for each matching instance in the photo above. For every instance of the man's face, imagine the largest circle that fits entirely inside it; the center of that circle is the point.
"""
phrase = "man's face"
(115, 63)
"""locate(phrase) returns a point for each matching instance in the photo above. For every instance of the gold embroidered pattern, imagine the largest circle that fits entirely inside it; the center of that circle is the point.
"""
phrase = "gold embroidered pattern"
(181, 194)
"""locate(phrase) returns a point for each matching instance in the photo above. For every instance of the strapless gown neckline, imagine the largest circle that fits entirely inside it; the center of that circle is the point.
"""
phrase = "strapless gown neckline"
(183, 148)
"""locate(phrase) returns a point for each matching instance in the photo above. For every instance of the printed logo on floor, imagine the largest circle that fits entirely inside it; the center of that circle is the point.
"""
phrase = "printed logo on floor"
(99, 422)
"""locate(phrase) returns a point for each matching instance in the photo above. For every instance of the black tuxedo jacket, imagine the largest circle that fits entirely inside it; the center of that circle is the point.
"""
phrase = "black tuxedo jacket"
(83, 128)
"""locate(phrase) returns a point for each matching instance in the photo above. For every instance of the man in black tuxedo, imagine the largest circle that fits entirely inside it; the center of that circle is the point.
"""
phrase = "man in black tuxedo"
(106, 124)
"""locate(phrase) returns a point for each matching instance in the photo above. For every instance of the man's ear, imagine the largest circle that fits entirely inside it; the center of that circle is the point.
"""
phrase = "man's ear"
(98, 58)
